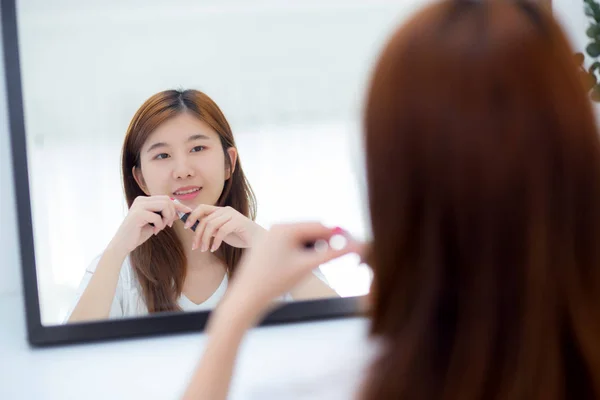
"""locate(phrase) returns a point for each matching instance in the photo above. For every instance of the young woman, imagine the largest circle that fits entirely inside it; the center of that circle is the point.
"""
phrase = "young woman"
(483, 170)
(178, 146)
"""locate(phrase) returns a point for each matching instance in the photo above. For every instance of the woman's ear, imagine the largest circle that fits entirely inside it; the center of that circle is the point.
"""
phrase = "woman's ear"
(139, 179)
(232, 154)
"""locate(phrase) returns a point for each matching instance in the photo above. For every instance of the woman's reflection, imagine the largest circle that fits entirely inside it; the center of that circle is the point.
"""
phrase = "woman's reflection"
(178, 146)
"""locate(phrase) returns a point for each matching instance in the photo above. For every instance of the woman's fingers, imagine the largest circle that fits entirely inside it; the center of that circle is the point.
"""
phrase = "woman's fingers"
(172, 208)
(163, 205)
(181, 207)
(214, 227)
(207, 227)
(169, 214)
(163, 209)
(150, 217)
(306, 232)
(152, 203)
(225, 230)
(199, 212)
(316, 258)
(300, 234)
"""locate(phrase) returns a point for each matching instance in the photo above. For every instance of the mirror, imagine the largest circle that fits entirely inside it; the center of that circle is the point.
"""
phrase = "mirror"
(289, 81)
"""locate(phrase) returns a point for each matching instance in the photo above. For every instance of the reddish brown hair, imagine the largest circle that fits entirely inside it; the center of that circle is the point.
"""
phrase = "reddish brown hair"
(483, 168)
(160, 263)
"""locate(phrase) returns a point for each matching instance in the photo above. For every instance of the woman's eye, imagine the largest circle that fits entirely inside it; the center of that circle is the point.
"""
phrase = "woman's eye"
(198, 148)
(161, 156)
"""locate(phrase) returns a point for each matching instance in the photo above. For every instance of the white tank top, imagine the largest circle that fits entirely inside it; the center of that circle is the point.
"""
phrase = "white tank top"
(129, 300)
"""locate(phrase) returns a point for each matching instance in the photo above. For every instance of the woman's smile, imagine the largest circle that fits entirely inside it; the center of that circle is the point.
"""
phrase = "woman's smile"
(187, 192)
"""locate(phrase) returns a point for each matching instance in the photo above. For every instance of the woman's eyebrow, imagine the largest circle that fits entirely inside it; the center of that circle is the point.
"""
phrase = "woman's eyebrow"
(156, 146)
(198, 136)
(190, 139)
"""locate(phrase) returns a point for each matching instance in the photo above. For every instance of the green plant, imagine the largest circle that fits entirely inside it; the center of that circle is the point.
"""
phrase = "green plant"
(590, 75)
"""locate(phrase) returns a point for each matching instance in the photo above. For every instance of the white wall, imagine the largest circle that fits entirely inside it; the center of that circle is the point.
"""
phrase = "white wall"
(574, 21)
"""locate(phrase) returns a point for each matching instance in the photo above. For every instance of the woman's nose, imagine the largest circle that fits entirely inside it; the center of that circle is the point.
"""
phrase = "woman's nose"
(183, 170)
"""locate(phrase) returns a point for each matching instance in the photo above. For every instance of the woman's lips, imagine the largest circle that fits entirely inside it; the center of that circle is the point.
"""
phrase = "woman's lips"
(187, 196)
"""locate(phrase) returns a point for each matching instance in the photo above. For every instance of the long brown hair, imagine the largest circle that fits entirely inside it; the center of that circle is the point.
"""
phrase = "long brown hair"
(160, 263)
(483, 168)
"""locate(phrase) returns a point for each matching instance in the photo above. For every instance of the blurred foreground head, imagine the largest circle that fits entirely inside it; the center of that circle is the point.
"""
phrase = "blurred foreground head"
(483, 167)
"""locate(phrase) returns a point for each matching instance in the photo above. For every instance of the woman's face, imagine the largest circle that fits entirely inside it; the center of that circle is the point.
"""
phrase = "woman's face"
(183, 158)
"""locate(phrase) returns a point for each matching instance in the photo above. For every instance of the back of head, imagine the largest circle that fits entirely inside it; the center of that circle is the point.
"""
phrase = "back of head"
(483, 167)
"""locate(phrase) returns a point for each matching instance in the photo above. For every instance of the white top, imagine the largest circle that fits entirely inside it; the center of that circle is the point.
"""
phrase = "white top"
(129, 299)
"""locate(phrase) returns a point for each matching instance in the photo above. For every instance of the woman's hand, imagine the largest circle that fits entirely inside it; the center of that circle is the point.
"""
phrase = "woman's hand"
(224, 224)
(280, 260)
(272, 267)
(147, 216)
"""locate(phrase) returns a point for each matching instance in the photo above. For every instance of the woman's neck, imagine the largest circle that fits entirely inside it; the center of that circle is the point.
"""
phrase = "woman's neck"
(196, 259)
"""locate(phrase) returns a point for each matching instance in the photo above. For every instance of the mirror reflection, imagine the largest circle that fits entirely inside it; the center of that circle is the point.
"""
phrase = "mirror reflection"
(237, 116)
(191, 213)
